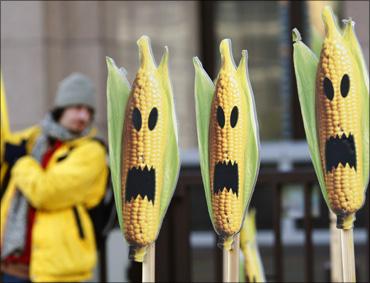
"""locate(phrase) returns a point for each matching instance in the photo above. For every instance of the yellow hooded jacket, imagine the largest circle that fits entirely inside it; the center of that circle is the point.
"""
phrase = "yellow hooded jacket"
(63, 244)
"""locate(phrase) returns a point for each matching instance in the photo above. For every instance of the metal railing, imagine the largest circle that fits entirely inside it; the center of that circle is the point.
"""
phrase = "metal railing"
(173, 250)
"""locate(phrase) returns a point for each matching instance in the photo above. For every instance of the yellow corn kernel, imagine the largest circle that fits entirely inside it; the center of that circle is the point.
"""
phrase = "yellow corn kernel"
(338, 109)
(143, 151)
(227, 139)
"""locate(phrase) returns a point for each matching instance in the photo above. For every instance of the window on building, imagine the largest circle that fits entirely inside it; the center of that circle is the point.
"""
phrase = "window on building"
(264, 29)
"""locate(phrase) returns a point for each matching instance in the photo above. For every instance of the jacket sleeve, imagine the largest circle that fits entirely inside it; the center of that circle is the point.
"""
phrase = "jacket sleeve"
(13, 146)
(65, 183)
(16, 138)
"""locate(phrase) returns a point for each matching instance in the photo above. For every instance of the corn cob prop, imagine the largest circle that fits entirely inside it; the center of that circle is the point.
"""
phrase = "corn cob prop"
(228, 142)
(253, 267)
(143, 147)
(317, 31)
(334, 98)
(5, 129)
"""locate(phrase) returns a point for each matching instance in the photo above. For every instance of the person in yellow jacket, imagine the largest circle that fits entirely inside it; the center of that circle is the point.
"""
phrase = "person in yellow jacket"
(55, 173)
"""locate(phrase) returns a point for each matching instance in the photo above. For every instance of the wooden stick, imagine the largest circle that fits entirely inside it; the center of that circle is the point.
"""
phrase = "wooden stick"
(348, 256)
(225, 265)
(231, 262)
(148, 268)
(335, 250)
(234, 260)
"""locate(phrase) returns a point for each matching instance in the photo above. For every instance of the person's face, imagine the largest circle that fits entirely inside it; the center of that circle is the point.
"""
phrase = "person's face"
(76, 118)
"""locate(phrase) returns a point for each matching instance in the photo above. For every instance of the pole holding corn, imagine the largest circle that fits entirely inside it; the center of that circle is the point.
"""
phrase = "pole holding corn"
(144, 155)
(334, 98)
(229, 149)
(335, 250)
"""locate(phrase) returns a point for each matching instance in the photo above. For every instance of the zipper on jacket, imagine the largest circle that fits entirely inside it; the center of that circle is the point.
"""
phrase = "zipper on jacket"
(78, 222)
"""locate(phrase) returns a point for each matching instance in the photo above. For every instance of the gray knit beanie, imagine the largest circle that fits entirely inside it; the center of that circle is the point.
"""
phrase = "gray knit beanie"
(74, 90)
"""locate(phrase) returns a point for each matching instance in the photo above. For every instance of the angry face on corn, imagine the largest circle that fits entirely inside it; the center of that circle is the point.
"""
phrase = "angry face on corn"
(227, 134)
(143, 151)
(338, 112)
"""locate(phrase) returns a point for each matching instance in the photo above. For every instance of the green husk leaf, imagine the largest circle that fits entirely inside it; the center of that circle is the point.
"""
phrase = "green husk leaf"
(253, 143)
(350, 39)
(172, 157)
(241, 271)
(305, 67)
(118, 90)
(204, 92)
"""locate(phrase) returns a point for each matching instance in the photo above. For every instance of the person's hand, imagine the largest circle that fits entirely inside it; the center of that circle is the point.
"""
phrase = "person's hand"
(14, 151)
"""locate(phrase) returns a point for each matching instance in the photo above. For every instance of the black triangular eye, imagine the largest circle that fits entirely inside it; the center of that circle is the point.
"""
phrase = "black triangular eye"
(153, 117)
(328, 89)
(344, 85)
(234, 117)
(220, 116)
(136, 119)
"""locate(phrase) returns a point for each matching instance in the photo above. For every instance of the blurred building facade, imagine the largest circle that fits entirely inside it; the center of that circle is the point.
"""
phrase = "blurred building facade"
(43, 41)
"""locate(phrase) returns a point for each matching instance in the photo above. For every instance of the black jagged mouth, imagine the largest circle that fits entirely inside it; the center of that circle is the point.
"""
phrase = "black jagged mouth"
(226, 176)
(140, 181)
(340, 150)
